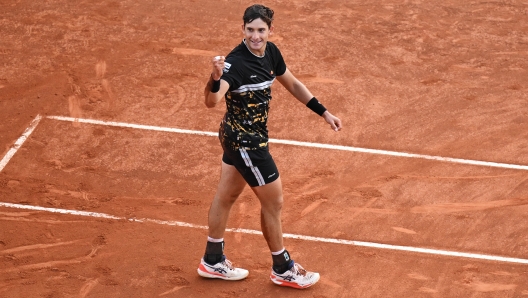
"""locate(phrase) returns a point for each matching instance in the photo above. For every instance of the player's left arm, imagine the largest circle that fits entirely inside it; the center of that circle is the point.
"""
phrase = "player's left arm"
(302, 94)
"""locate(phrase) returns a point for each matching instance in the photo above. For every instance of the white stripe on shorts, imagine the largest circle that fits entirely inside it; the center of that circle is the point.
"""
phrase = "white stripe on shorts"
(255, 170)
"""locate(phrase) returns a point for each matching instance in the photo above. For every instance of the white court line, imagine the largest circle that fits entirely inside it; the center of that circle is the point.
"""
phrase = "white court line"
(298, 143)
(292, 236)
(136, 126)
(19, 142)
(35, 122)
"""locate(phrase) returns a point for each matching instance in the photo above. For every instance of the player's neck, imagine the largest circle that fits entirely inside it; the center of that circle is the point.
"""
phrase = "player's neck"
(260, 54)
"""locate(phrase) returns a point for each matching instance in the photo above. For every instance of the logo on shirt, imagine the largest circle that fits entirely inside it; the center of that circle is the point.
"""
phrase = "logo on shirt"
(253, 76)
(227, 66)
(272, 175)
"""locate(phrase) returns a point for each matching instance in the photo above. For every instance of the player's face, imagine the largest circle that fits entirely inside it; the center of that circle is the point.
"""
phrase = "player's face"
(257, 33)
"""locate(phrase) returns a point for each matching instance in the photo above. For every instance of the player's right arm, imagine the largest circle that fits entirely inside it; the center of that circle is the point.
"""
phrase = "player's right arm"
(212, 98)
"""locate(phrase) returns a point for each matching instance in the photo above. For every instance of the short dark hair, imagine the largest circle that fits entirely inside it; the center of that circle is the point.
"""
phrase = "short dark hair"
(258, 11)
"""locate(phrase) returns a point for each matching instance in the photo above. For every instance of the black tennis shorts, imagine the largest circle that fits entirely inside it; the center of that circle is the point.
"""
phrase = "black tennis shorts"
(256, 166)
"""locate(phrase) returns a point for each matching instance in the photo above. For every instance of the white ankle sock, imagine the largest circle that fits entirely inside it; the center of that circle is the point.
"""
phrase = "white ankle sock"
(276, 253)
(214, 240)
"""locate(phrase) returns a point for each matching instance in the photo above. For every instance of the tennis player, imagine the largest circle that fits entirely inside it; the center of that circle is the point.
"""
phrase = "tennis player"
(244, 79)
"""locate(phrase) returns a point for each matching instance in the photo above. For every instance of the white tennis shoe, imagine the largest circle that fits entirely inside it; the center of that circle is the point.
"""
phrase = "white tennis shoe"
(223, 270)
(297, 277)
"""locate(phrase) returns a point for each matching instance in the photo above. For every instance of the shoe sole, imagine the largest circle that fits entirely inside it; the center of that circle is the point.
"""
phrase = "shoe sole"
(206, 274)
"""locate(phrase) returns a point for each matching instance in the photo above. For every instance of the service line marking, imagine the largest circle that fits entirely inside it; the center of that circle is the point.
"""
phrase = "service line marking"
(19, 142)
(286, 235)
(299, 143)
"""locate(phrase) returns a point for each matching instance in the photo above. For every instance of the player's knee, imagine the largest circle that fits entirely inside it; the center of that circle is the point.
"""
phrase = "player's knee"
(227, 199)
(230, 198)
(272, 205)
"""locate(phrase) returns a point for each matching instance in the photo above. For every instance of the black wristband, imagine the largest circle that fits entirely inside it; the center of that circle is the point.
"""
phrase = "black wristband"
(316, 106)
(216, 85)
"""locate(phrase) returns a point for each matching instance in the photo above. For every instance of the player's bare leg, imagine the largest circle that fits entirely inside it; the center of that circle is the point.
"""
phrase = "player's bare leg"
(285, 271)
(214, 264)
(270, 197)
(230, 187)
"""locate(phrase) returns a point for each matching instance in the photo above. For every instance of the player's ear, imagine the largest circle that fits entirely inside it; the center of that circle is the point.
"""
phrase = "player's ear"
(244, 28)
(271, 29)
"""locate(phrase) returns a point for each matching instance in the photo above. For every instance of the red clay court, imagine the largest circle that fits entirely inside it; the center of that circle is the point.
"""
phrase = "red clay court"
(110, 158)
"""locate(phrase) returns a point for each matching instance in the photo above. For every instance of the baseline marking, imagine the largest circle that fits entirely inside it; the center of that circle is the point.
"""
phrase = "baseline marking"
(292, 236)
(136, 126)
(19, 142)
(302, 144)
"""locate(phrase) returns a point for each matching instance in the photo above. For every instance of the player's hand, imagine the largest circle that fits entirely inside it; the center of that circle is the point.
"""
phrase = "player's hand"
(218, 66)
(334, 122)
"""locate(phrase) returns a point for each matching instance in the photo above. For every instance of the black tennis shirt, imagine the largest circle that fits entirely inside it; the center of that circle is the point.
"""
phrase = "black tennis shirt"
(250, 78)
